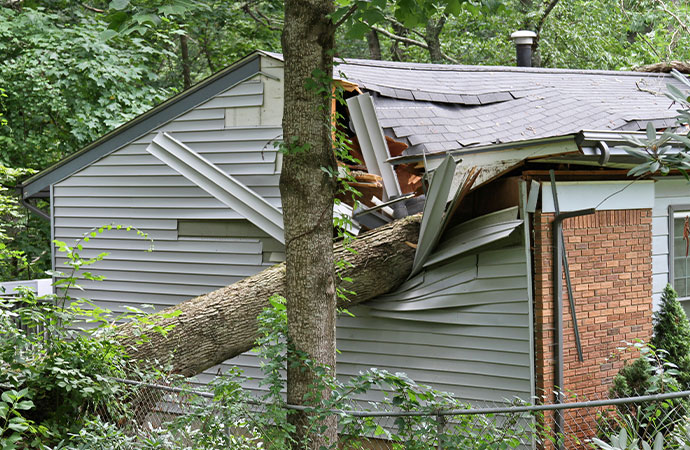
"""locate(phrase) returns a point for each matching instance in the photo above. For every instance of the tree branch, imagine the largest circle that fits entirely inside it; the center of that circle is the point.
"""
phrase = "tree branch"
(675, 16)
(393, 21)
(552, 4)
(91, 8)
(409, 41)
(347, 15)
(257, 16)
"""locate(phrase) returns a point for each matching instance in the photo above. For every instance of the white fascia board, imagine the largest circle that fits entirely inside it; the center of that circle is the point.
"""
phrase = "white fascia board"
(372, 142)
(220, 185)
(602, 195)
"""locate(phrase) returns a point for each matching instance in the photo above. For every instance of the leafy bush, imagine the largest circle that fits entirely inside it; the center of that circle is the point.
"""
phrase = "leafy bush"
(650, 374)
(62, 374)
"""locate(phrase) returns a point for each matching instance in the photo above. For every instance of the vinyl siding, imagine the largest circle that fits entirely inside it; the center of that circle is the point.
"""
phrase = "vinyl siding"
(667, 192)
(465, 326)
(133, 188)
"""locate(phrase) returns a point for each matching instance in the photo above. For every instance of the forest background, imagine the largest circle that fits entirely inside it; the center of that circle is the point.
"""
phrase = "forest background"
(71, 71)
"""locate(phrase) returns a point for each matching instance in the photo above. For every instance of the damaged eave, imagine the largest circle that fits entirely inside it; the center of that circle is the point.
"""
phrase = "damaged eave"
(606, 149)
(524, 150)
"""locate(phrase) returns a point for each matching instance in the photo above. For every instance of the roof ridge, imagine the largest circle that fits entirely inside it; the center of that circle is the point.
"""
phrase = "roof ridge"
(478, 68)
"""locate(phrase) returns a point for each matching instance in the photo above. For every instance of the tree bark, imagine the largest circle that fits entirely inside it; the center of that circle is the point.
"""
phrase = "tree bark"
(222, 324)
(186, 71)
(374, 45)
(307, 192)
(397, 53)
(432, 39)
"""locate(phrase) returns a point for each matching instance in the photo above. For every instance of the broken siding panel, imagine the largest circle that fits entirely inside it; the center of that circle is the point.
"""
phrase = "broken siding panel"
(478, 350)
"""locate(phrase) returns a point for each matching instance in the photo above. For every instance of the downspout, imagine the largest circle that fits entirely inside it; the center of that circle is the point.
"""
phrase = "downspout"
(558, 251)
(34, 209)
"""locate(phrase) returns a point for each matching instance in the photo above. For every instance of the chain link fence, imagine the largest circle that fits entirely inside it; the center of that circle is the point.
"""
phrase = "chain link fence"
(187, 416)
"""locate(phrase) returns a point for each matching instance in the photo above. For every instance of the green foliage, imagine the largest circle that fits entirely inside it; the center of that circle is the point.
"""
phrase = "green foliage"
(23, 236)
(206, 425)
(65, 85)
(672, 333)
(60, 373)
(633, 379)
(58, 356)
(650, 374)
(621, 441)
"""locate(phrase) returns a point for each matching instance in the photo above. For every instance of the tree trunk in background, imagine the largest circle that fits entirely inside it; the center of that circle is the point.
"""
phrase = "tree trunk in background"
(186, 73)
(432, 39)
(397, 53)
(374, 45)
(222, 324)
(307, 193)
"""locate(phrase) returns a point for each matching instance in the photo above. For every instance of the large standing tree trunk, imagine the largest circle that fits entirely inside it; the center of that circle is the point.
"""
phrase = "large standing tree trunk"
(307, 192)
(374, 45)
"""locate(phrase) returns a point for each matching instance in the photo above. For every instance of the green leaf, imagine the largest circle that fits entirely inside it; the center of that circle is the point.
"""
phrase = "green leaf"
(8, 396)
(19, 427)
(118, 4)
(357, 31)
(454, 7)
(651, 131)
(25, 405)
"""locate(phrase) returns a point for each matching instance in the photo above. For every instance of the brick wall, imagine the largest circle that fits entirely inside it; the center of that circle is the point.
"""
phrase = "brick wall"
(609, 254)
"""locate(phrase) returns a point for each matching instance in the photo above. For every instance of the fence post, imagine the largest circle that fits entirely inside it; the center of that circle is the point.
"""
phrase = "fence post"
(440, 426)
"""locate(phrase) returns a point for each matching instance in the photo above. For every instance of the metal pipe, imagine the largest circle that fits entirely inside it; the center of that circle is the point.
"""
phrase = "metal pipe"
(34, 209)
(566, 269)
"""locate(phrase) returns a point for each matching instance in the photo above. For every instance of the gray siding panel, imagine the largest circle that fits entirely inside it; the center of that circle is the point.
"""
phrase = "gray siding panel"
(464, 330)
(667, 192)
(114, 180)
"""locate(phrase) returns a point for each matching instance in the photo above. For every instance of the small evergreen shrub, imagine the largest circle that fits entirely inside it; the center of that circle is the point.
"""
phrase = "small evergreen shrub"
(672, 334)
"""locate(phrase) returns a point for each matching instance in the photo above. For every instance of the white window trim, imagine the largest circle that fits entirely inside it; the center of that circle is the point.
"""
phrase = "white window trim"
(672, 210)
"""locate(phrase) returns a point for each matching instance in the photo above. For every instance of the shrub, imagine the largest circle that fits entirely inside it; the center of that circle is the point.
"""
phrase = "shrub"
(672, 334)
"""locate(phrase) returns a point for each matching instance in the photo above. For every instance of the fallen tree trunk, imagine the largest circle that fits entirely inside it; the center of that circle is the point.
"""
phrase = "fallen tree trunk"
(222, 324)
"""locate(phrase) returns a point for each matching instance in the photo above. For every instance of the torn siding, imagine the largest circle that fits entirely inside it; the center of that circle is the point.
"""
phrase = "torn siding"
(469, 309)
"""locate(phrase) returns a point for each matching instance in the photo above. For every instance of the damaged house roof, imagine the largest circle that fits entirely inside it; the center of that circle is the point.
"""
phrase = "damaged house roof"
(439, 108)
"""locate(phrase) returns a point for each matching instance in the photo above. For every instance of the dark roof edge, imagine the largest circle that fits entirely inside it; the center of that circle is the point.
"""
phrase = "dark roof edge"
(144, 123)
(479, 68)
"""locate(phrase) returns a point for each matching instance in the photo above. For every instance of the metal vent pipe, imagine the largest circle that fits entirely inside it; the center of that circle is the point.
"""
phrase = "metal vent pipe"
(524, 40)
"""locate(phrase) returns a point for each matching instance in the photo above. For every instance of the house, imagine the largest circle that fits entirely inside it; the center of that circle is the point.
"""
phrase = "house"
(478, 316)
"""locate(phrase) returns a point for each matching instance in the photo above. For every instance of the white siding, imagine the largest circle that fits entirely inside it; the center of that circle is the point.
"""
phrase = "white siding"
(667, 192)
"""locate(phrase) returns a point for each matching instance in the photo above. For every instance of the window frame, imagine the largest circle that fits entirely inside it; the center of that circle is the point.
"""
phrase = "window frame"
(672, 209)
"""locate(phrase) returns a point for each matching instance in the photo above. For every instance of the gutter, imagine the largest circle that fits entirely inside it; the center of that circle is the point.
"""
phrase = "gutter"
(40, 213)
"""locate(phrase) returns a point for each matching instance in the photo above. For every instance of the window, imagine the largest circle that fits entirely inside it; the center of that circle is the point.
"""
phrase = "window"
(679, 249)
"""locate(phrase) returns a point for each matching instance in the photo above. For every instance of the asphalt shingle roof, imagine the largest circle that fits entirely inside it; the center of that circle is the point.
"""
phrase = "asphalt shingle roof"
(449, 107)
